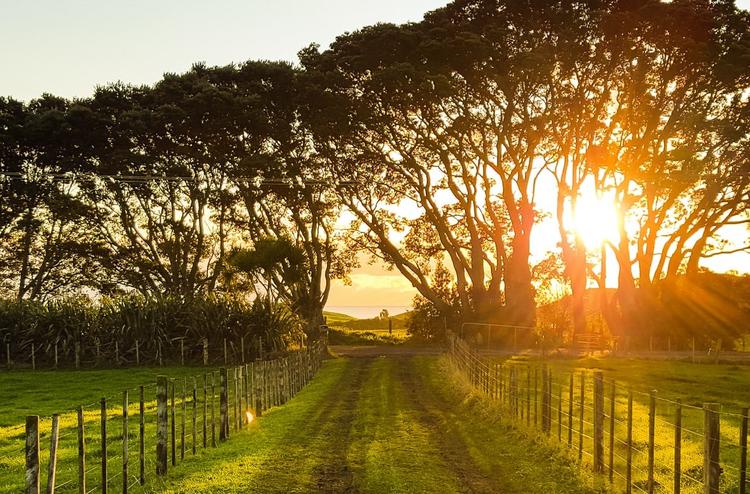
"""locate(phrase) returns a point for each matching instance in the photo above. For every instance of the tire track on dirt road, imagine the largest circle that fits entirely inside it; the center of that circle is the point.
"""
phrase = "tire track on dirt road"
(434, 415)
(330, 426)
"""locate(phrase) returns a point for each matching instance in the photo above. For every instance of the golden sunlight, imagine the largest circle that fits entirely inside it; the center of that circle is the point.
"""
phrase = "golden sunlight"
(595, 220)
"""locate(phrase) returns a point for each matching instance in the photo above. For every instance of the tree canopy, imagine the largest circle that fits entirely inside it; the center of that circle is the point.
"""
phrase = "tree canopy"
(446, 143)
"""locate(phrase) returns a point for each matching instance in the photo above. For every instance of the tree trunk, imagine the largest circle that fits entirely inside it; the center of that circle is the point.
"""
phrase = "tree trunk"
(519, 292)
(23, 276)
(576, 267)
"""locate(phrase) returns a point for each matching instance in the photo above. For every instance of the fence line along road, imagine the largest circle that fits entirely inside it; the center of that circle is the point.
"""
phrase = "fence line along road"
(640, 442)
(79, 353)
(162, 431)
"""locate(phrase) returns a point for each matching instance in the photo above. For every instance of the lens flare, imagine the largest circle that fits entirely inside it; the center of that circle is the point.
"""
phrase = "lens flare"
(249, 416)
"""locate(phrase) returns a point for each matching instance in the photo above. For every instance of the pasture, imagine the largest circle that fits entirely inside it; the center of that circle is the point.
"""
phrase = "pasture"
(401, 424)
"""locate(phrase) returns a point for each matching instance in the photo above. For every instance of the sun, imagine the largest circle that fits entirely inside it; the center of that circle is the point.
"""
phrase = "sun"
(595, 220)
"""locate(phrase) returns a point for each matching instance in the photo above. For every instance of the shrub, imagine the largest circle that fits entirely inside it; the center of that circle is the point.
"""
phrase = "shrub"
(107, 331)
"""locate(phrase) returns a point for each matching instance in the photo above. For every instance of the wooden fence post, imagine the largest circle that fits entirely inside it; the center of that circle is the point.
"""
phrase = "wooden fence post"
(173, 428)
(247, 387)
(612, 402)
(559, 413)
(205, 352)
(195, 414)
(598, 422)
(81, 453)
(545, 383)
(103, 420)
(651, 435)
(182, 418)
(213, 409)
(629, 454)
(161, 425)
(264, 383)
(549, 400)
(125, 441)
(257, 389)
(223, 406)
(570, 412)
(32, 455)
(743, 451)
(52, 467)
(205, 411)
(141, 436)
(580, 418)
(711, 467)
(677, 446)
(536, 392)
(235, 401)
(514, 390)
(528, 396)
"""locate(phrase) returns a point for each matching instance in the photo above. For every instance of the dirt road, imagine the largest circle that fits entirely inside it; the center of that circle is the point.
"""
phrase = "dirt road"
(379, 425)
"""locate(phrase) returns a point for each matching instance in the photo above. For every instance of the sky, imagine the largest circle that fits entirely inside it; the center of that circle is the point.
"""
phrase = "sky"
(68, 47)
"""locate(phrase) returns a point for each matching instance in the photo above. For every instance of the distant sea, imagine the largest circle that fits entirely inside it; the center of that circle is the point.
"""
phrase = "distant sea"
(367, 311)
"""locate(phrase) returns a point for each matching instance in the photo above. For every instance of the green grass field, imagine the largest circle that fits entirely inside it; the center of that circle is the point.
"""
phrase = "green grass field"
(348, 330)
(44, 393)
(404, 424)
(693, 384)
(362, 425)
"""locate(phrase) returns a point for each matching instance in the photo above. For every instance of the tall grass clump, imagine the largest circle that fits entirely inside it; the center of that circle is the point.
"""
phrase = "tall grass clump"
(165, 329)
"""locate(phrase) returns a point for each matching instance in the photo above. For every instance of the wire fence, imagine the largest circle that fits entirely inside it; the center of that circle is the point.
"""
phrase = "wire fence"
(639, 442)
(129, 442)
(76, 352)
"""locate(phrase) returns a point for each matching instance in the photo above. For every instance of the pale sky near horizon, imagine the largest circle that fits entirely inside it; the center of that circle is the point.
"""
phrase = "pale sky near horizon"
(69, 47)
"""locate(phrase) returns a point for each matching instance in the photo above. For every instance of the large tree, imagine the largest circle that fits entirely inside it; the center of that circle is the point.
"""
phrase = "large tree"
(43, 221)
(668, 146)
(445, 116)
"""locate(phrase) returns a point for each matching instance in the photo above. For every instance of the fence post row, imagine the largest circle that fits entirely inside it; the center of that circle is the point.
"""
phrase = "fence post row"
(488, 378)
(267, 383)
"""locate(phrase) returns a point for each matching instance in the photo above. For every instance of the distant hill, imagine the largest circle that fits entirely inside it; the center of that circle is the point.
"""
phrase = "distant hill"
(336, 318)
(400, 321)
